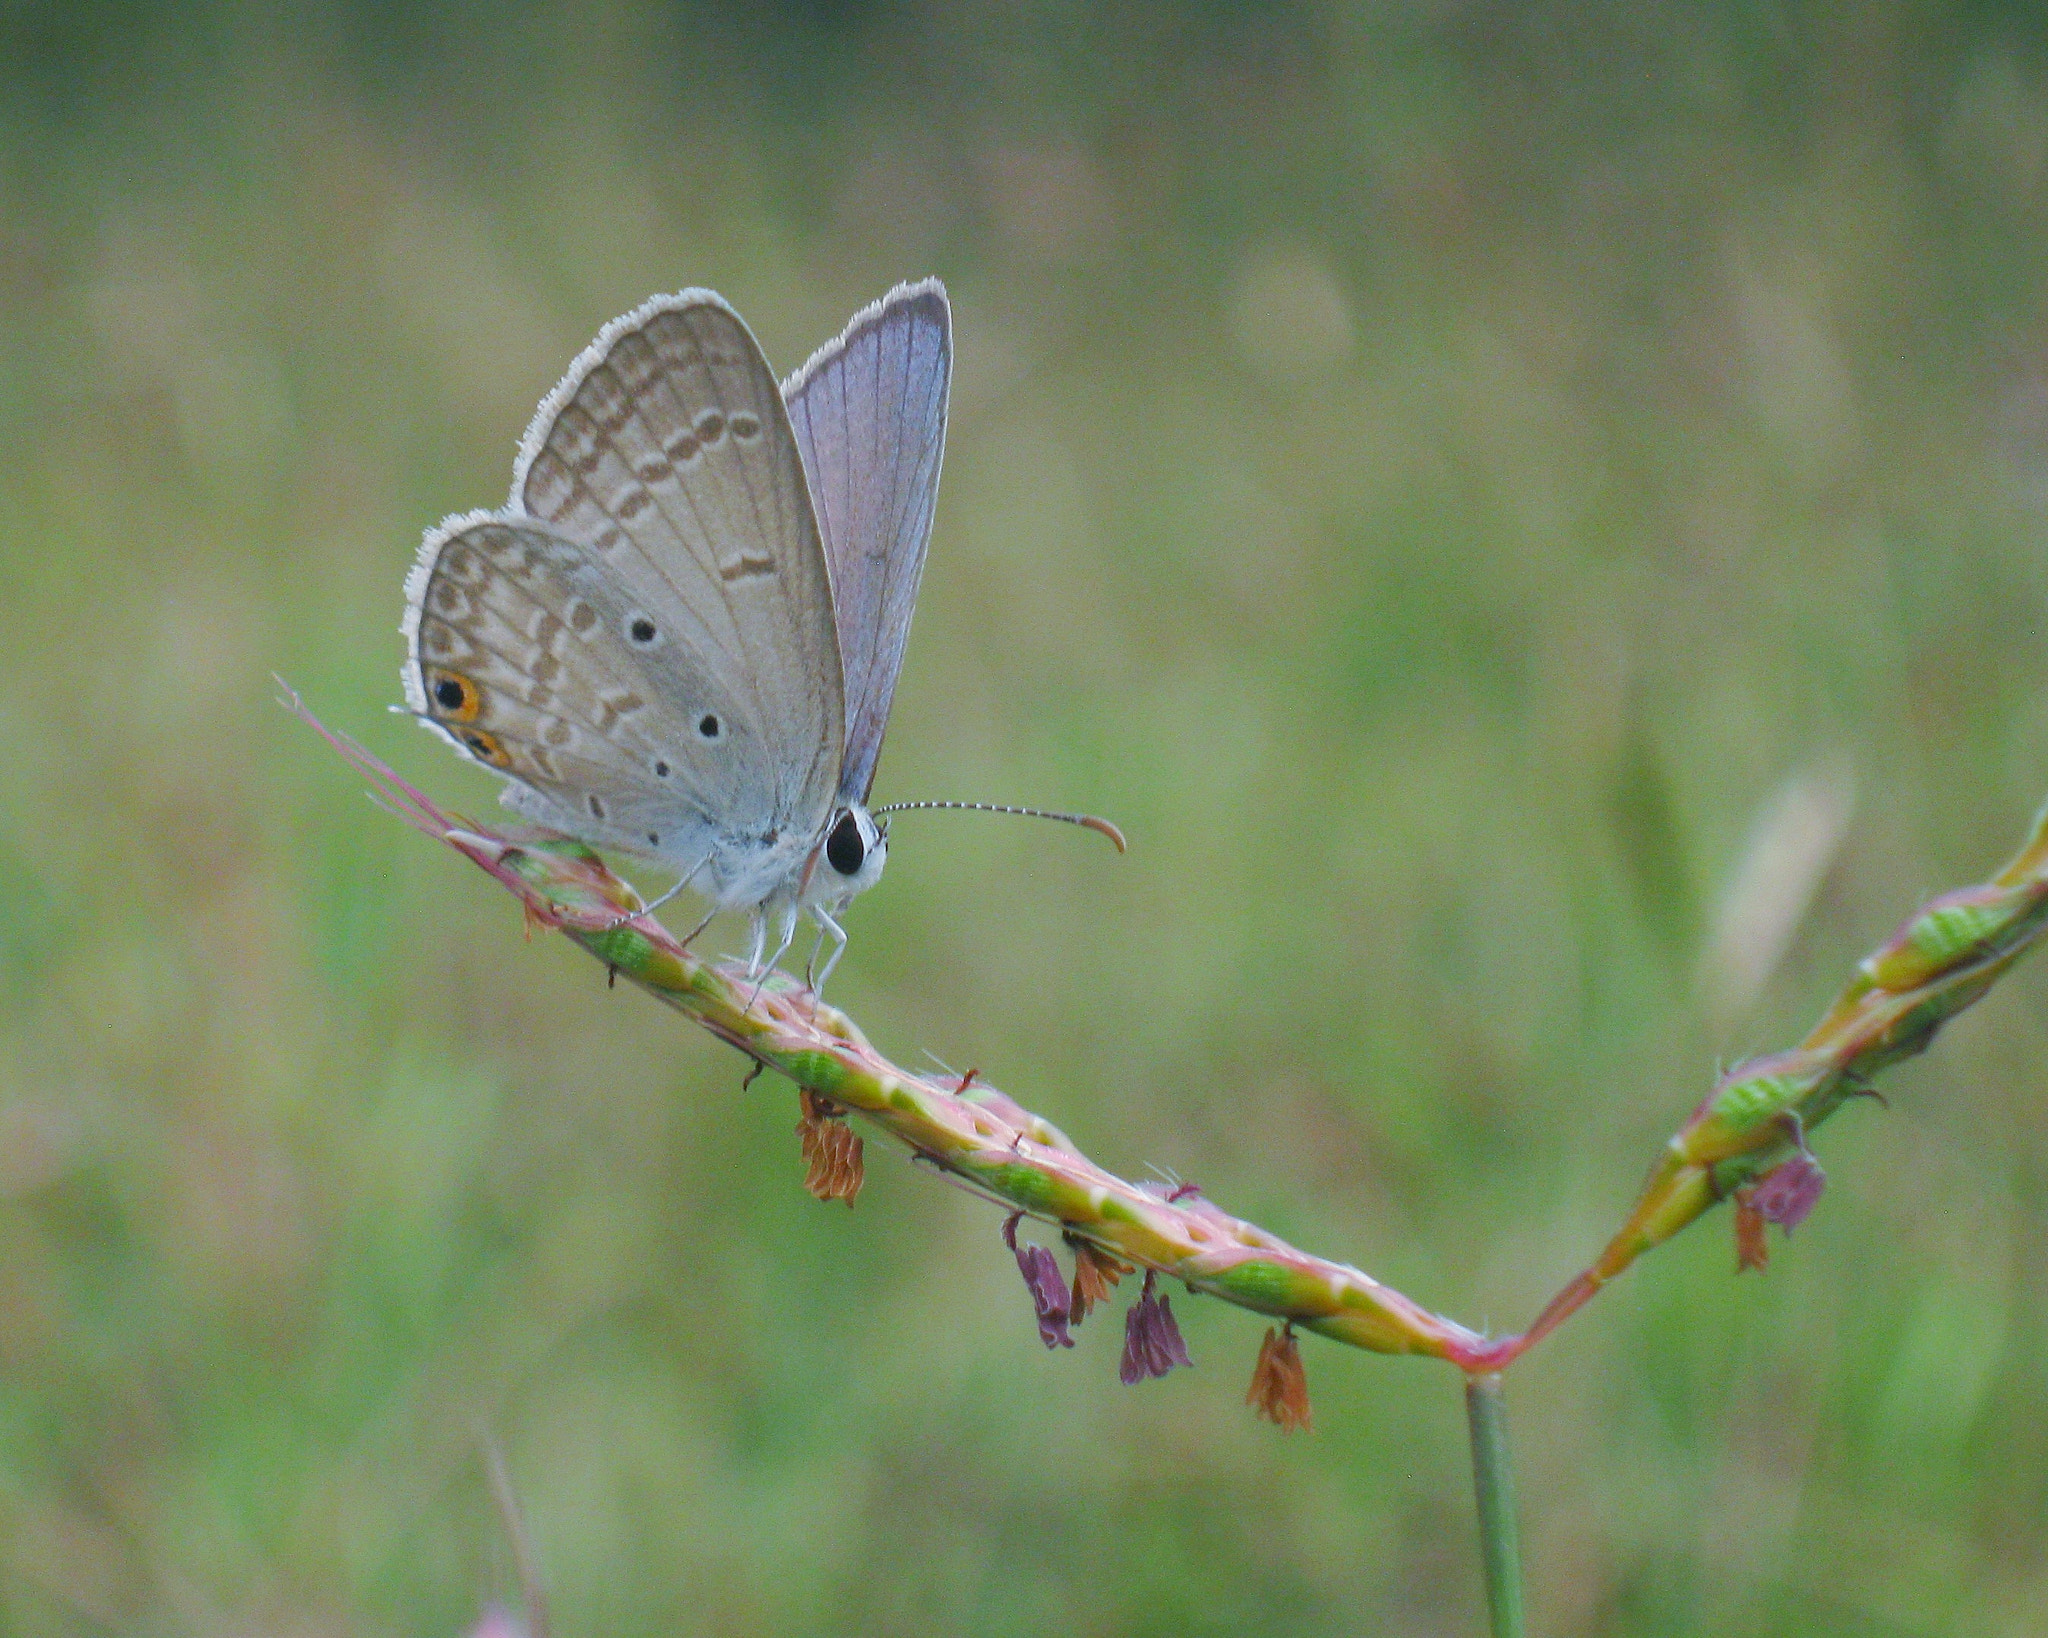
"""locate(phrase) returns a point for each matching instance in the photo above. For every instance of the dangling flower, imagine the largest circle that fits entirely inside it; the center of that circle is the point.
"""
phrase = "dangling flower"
(1279, 1390)
(1752, 1250)
(1152, 1344)
(1785, 1195)
(1042, 1279)
(1789, 1190)
(1095, 1275)
(831, 1149)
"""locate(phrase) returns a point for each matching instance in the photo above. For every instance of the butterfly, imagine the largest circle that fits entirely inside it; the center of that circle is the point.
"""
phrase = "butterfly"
(681, 635)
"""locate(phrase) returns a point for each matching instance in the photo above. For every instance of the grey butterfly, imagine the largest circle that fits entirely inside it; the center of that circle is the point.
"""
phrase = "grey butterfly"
(681, 635)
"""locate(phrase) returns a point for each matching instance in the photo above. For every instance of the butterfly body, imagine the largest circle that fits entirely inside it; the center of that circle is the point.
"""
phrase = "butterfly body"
(681, 635)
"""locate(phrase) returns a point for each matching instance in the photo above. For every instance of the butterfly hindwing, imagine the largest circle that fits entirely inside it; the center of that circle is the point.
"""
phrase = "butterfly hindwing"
(520, 651)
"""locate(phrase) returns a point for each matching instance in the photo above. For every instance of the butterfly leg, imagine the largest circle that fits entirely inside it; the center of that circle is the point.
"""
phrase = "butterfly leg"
(828, 927)
(690, 937)
(786, 933)
(786, 930)
(681, 882)
(655, 904)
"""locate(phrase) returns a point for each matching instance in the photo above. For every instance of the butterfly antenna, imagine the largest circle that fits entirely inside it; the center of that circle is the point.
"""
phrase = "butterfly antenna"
(1087, 821)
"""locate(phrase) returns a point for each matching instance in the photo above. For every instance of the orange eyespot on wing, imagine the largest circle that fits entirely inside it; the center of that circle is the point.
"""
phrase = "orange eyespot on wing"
(485, 747)
(454, 697)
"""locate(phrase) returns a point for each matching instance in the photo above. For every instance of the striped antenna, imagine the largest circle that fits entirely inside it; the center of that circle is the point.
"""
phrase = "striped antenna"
(1087, 821)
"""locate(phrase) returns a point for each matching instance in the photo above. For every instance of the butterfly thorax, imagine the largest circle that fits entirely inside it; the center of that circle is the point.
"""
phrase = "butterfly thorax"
(744, 871)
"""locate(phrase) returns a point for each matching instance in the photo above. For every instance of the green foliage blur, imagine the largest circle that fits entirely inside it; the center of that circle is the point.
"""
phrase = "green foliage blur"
(1531, 516)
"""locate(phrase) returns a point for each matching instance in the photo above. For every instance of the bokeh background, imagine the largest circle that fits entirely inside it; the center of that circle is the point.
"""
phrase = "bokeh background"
(1532, 516)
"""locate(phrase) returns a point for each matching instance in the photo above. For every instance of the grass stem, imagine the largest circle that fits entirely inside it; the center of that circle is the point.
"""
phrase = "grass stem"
(1493, 1487)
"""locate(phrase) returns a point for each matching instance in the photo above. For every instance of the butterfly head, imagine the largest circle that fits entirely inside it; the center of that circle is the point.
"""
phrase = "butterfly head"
(854, 852)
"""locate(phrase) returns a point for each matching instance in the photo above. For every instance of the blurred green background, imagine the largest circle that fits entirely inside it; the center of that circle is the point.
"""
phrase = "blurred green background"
(1531, 516)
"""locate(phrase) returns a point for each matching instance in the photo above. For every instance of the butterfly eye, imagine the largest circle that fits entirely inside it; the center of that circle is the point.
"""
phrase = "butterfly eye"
(845, 851)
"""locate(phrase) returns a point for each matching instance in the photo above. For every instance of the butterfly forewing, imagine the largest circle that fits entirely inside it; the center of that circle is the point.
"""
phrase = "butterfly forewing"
(667, 453)
(869, 413)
